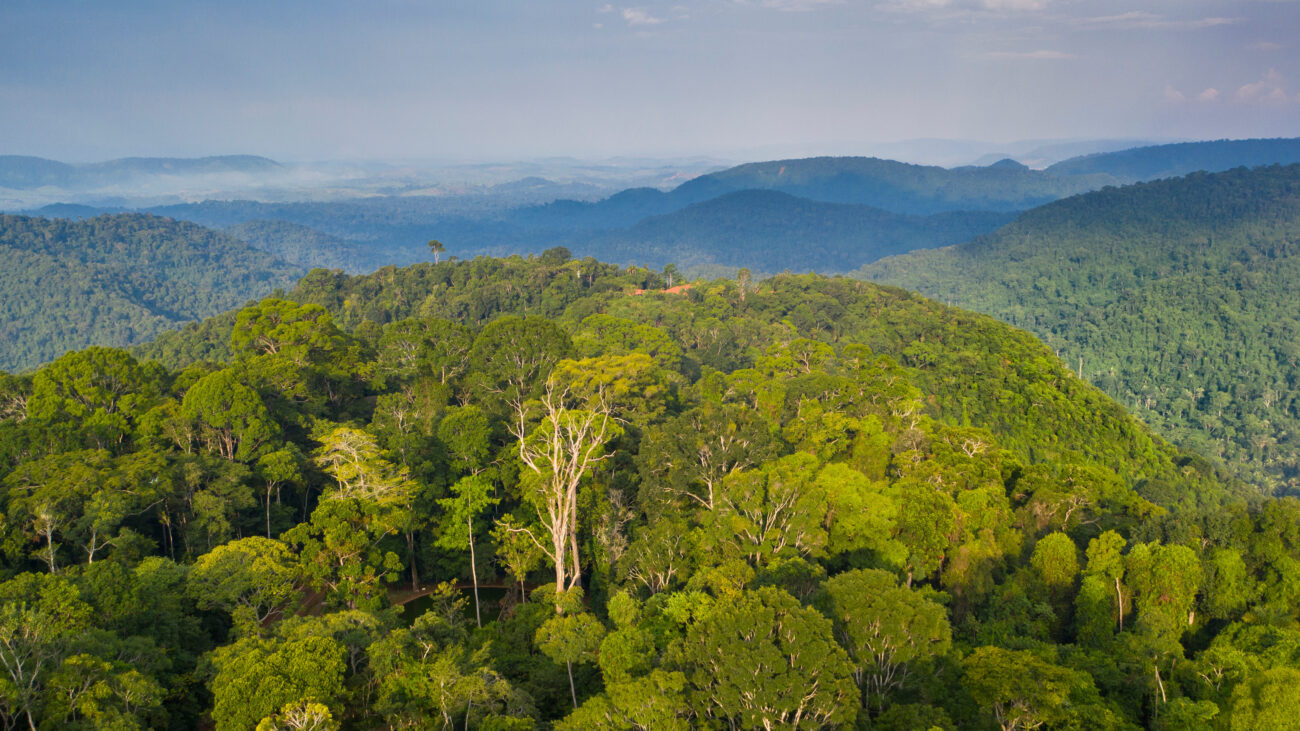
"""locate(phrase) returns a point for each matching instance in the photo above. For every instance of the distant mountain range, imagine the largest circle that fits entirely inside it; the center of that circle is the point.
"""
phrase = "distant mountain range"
(830, 214)
(1171, 161)
(1178, 297)
(117, 280)
(25, 173)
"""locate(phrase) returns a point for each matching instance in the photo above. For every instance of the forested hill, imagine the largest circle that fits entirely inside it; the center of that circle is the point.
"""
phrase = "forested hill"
(117, 280)
(1178, 297)
(896, 186)
(611, 504)
(770, 231)
(1170, 161)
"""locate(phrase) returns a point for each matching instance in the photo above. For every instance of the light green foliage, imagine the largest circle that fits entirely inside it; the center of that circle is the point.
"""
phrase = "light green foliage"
(631, 386)
(430, 674)
(1165, 579)
(1186, 714)
(431, 347)
(764, 660)
(926, 526)
(103, 389)
(340, 551)
(607, 335)
(1021, 690)
(887, 629)
(303, 715)
(302, 334)
(40, 619)
(257, 678)
(251, 578)
(1056, 560)
(1228, 585)
(775, 510)
(467, 432)
(361, 469)
(470, 497)
(656, 701)
(1270, 699)
(87, 692)
(233, 421)
(860, 515)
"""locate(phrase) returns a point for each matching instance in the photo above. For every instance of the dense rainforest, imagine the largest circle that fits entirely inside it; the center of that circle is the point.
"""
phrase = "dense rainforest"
(117, 280)
(1178, 298)
(549, 493)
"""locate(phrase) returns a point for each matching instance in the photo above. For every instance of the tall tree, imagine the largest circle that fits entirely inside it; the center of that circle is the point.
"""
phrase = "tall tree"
(470, 497)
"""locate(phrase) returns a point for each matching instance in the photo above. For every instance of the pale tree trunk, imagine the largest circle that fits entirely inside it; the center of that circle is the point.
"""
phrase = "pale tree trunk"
(473, 571)
(1119, 604)
(573, 442)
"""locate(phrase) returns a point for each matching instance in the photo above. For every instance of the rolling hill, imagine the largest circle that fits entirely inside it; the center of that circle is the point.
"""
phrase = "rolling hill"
(1178, 297)
(1170, 161)
(770, 231)
(117, 280)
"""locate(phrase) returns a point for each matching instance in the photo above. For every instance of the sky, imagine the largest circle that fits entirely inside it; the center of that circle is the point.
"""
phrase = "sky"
(406, 80)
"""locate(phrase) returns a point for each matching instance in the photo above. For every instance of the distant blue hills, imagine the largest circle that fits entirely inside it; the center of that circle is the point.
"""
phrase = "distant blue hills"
(27, 173)
(830, 214)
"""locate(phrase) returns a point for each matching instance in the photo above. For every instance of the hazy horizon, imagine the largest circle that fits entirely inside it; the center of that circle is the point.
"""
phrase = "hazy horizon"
(503, 79)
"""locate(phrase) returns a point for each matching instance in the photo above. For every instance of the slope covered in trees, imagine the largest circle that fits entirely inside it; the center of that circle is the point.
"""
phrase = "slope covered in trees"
(1171, 161)
(1178, 298)
(303, 246)
(770, 231)
(802, 503)
(896, 186)
(117, 280)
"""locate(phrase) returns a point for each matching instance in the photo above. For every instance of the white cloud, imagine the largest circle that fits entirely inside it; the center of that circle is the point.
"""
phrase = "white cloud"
(1205, 96)
(1269, 90)
(637, 16)
(606, 8)
(799, 6)
(1265, 46)
(1143, 20)
(1020, 5)
(967, 6)
(1040, 55)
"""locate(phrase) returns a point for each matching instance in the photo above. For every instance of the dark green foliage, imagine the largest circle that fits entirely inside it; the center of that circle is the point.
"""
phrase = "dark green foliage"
(1177, 298)
(117, 280)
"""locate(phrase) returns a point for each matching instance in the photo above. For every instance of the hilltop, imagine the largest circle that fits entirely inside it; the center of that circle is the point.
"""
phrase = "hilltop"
(1177, 297)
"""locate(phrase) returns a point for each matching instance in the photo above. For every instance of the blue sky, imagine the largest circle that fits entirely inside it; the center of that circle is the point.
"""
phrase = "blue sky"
(497, 79)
